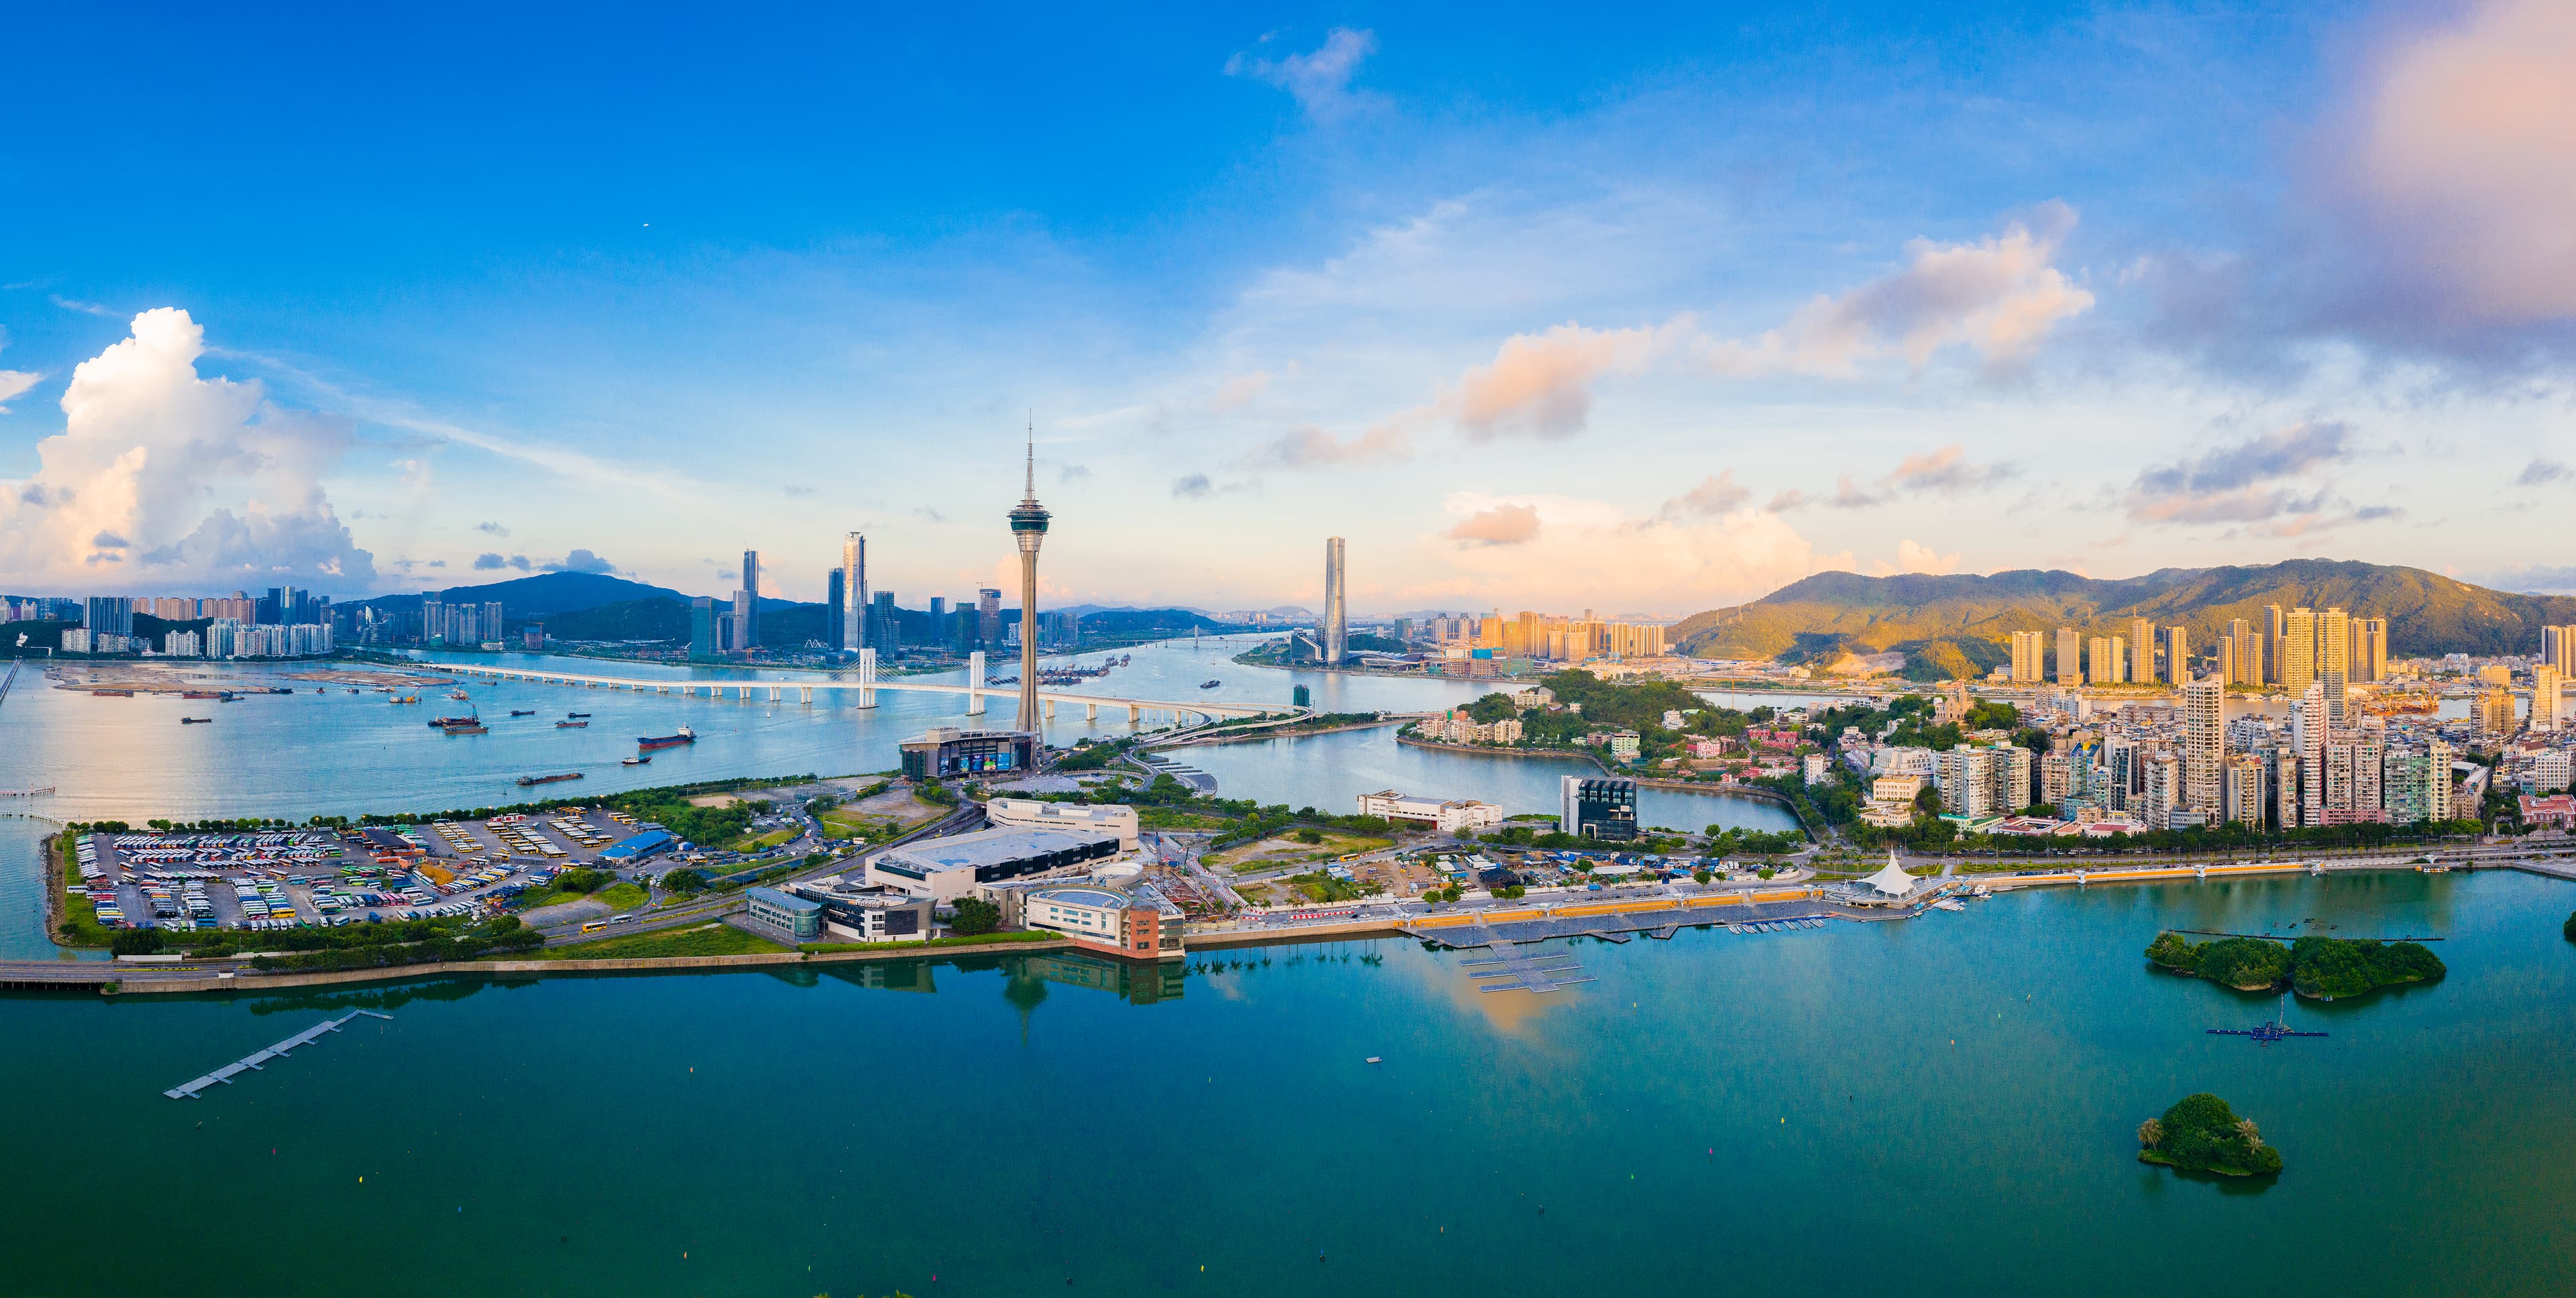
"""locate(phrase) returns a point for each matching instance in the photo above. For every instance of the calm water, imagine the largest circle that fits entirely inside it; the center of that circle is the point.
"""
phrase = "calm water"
(1943, 1107)
(1330, 772)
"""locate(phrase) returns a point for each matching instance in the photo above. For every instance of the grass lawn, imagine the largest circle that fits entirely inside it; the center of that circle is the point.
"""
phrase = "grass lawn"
(78, 914)
(707, 939)
(1166, 818)
(841, 823)
(548, 897)
(765, 841)
(622, 896)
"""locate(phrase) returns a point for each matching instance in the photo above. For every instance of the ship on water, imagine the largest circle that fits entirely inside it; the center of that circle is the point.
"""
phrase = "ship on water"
(527, 780)
(572, 725)
(650, 742)
(523, 712)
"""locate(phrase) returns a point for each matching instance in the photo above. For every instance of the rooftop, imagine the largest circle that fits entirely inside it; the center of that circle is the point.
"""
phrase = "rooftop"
(995, 847)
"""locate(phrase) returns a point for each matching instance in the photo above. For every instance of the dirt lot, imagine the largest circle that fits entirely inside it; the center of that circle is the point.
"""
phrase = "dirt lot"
(1286, 850)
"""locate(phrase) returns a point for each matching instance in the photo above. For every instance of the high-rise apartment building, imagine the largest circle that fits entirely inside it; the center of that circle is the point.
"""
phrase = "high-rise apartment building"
(2491, 713)
(2370, 649)
(2298, 650)
(2275, 631)
(852, 627)
(2241, 799)
(884, 626)
(2546, 704)
(746, 603)
(2204, 730)
(2558, 649)
(2142, 651)
(988, 616)
(2334, 658)
(2308, 737)
(2029, 649)
(2163, 792)
(1336, 633)
(2070, 662)
(2097, 660)
(1968, 780)
(836, 610)
(2178, 657)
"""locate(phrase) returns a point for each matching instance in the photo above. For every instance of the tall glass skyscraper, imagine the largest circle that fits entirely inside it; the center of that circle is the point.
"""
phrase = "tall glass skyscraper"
(746, 603)
(852, 634)
(1336, 621)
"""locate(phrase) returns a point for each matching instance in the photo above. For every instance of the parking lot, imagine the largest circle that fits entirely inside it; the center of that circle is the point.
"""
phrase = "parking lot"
(291, 878)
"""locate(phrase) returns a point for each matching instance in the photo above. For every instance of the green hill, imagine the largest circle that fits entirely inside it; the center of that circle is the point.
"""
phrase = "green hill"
(1946, 622)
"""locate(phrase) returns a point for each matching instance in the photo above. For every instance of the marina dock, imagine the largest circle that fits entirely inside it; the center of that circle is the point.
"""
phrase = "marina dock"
(225, 1074)
(1521, 972)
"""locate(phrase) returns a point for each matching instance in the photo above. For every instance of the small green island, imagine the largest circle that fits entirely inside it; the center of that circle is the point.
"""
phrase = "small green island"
(2325, 968)
(2200, 1133)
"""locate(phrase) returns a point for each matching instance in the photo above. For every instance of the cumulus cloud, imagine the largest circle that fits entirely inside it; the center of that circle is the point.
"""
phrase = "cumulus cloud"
(1500, 525)
(1309, 447)
(493, 529)
(205, 479)
(1999, 298)
(1191, 486)
(1716, 494)
(1540, 385)
(492, 562)
(1321, 78)
(581, 561)
(2540, 473)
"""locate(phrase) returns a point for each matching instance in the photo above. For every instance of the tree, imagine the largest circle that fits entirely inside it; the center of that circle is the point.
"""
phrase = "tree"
(2151, 1133)
(137, 941)
(1310, 836)
(1492, 708)
(1927, 802)
(685, 881)
(974, 917)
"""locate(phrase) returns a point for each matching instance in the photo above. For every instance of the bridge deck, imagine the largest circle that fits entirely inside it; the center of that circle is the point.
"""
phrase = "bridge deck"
(1201, 706)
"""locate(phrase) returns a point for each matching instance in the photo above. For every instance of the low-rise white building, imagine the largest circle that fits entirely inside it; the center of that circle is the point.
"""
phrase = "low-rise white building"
(1447, 817)
(1026, 813)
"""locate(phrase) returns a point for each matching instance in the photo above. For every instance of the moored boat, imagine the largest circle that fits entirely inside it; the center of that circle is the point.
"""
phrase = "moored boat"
(650, 742)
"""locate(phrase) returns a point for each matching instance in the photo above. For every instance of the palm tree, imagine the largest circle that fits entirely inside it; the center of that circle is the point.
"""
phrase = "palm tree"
(2253, 1138)
(2151, 1133)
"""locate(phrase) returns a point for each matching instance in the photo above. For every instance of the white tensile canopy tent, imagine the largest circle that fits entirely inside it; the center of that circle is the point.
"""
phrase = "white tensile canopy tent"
(1890, 881)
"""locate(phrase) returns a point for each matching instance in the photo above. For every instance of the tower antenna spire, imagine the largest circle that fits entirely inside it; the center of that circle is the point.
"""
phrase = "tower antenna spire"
(1032, 492)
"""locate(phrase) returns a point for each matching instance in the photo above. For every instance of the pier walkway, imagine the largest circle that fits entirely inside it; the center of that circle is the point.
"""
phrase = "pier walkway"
(1520, 972)
(225, 1074)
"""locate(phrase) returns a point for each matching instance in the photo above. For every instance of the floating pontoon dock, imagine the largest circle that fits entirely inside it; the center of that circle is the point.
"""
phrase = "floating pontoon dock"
(225, 1074)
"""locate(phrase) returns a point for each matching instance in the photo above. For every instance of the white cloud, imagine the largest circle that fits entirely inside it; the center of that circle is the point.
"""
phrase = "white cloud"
(192, 478)
(2465, 150)
(1500, 525)
(1238, 391)
(1320, 79)
(1719, 493)
(1999, 298)
(1541, 385)
(13, 383)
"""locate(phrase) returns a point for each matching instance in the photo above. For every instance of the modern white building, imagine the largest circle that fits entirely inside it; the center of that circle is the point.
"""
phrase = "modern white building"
(1456, 817)
(945, 869)
(1028, 813)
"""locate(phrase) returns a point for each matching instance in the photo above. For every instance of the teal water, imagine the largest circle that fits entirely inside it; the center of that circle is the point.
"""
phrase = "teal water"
(1943, 1106)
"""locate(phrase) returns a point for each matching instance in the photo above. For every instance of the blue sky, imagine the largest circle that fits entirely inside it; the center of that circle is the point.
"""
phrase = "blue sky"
(1644, 312)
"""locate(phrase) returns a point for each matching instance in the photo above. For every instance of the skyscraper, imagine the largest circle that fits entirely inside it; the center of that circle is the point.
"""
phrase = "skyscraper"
(2275, 658)
(2558, 648)
(1028, 527)
(2334, 659)
(2545, 684)
(2308, 736)
(2142, 650)
(746, 603)
(702, 627)
(852, 632)
(835, 612)
(885, 628)
(2028, 648)
(2178, 657)
(2070, 657)
(2204, 741)
(988, 616)
(1336, 627)
(2297, 651)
